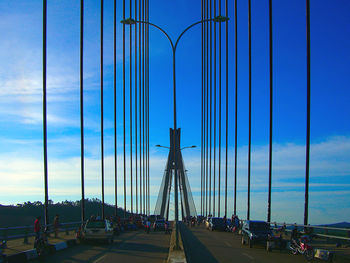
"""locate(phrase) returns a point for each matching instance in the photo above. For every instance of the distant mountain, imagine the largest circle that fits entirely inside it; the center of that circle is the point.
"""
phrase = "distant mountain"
(338, 225)
(335, 225)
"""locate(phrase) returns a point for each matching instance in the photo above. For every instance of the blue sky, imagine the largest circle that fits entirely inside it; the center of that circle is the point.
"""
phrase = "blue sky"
(21, 154)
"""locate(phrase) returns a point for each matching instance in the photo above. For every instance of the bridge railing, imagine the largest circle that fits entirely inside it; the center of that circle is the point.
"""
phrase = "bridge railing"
(8, 233)
(320, 231)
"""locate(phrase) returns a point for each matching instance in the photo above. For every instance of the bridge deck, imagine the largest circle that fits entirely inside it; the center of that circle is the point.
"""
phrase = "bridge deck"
(136, 246)
(212, 247)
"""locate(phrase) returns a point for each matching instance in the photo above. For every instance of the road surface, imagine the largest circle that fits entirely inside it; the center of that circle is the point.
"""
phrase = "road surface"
(129, 247)
(202, 245)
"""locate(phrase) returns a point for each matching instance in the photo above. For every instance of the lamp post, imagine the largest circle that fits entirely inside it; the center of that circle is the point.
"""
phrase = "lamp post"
(130, 21)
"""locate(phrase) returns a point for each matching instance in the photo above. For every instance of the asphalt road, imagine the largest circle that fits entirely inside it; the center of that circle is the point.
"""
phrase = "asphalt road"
(203, 245)
(129, 247)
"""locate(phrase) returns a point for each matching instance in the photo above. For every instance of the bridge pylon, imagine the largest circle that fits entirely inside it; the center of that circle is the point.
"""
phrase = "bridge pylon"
(163, 202)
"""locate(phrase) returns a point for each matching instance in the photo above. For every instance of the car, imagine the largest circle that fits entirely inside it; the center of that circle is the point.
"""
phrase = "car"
(217, 223)
(256, 232)
(159, 224)
(98, 230)
(131, 226)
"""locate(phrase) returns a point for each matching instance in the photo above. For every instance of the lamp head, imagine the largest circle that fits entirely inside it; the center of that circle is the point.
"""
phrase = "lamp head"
(128, 21)
(221, 19)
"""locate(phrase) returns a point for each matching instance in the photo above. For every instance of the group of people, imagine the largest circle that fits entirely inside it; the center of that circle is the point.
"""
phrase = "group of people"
(38, 228)
(41, 234)
(191, 220)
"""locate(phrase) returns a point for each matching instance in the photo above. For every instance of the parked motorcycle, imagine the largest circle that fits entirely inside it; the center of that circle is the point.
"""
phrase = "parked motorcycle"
(42, 245)
(301, 247)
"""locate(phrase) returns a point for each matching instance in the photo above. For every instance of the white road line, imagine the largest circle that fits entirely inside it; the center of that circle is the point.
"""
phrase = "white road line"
(248, 256)
(97, 260)
(228, 244)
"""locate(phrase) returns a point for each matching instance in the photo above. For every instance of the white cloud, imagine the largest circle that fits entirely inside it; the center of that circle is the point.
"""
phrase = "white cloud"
(25, 175)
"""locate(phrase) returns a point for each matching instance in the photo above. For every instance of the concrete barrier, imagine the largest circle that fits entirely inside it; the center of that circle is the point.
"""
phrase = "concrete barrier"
(176, 255)
(60, 246)
(32, 254)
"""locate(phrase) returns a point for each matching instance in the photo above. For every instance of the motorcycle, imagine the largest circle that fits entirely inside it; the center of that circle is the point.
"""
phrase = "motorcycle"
(147, 229)
(302, 248)
(42, 245)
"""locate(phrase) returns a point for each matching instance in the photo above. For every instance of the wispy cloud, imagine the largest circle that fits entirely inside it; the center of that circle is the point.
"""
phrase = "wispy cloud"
(26, 175)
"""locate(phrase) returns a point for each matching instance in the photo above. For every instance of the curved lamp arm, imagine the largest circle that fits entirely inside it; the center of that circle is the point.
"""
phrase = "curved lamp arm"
(130, 21)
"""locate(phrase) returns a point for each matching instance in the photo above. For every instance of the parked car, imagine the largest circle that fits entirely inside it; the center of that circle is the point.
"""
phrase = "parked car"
(98, 230)
(256, 232)
(217, 223)
(131, 227)
(159, 224)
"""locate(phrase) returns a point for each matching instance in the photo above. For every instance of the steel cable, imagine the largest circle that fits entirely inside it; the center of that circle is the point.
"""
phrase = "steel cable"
(143, 106)
(45, 113)
(130, 106)
(226, 153)
(140, 108)
(115, 106)
(271, 105)
(207, 108)
(102, 148)
(250, 104)
(124, 131)
(210, 101)
(219, 175)
(214, 161)
(236, 108)
(202, 113)
(308, 106)
(82, 110)
(136, 160)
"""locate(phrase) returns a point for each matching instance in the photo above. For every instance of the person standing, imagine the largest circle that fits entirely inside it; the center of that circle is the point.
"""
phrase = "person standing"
(56, 225)
(148, 225)
(37, 227)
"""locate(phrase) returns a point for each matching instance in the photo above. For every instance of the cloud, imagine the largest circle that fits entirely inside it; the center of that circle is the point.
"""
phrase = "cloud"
(25, 174)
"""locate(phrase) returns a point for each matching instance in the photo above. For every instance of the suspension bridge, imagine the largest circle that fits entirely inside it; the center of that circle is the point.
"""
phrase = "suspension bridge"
(219, 96)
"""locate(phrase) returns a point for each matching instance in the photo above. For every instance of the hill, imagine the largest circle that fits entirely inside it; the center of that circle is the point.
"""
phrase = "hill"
(69, 211)
(339, 225)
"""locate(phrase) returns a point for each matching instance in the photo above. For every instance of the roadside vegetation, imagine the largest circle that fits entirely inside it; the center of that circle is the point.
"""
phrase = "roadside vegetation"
(68, 211)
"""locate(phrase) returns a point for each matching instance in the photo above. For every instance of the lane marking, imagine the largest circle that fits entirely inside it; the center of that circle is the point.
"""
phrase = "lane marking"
(228, 244)
(248, 256)
(97, 260)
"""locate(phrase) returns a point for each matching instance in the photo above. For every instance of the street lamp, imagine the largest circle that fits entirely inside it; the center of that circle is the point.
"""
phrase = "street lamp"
(193, 146)
(160, 146)
(130, 21)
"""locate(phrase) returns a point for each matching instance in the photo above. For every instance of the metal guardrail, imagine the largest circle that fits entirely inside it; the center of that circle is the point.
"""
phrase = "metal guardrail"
(326, 235)
(28, 231)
